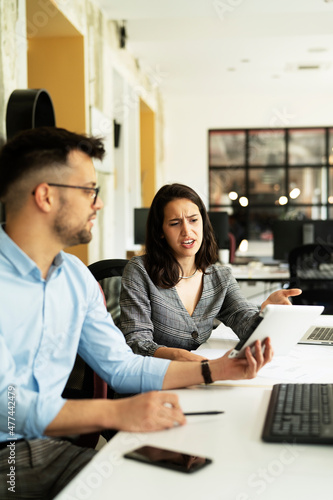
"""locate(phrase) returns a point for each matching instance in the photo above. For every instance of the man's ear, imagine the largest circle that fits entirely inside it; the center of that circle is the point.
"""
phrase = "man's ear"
(43, 197)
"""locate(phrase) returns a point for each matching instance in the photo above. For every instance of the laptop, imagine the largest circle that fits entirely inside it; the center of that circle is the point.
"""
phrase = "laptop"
(318, 334)
(285, 325)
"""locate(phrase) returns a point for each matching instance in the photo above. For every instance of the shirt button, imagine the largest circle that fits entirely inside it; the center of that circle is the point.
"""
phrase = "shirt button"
(195, 335)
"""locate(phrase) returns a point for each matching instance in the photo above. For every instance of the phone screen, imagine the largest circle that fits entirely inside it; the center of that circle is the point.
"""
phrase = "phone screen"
(168, 459)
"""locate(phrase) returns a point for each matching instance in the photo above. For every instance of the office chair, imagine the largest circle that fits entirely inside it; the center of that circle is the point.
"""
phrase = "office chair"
(83, 382)
(311, 270)
(108, 273)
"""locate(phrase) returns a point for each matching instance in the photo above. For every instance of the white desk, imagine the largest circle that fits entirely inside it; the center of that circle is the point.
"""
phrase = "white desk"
(257, 249)
(256, 271)
(244, 467)
(257, 280)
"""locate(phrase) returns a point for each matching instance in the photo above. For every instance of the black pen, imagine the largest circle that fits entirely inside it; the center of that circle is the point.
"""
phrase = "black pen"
(188, 414)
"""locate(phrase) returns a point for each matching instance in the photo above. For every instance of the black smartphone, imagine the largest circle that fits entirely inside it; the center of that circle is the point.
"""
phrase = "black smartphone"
(169, 459)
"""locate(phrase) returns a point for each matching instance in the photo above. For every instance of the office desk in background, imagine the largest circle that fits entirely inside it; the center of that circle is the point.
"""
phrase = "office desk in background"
(261, 251)
(257, 281)
(256, 271)
(244, 467)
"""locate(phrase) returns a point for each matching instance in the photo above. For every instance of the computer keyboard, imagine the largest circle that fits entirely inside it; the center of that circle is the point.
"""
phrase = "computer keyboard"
(321, 333)
(300, 413)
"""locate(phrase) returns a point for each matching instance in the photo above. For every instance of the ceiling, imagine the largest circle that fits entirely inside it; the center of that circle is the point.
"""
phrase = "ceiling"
(218, 46)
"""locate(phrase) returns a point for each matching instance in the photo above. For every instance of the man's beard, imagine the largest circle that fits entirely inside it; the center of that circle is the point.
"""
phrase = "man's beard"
(68, 235)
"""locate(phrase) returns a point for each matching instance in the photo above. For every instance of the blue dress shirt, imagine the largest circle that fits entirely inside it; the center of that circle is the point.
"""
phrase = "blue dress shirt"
(43, 324)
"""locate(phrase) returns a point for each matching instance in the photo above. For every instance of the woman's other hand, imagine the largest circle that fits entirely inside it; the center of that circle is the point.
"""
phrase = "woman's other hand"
(177, 354)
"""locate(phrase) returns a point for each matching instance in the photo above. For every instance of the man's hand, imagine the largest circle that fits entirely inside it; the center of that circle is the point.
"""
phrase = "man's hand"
(281, 297)
(242, 368)
(152, 411)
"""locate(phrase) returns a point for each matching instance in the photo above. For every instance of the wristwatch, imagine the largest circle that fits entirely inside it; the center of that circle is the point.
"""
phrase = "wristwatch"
(205, 370)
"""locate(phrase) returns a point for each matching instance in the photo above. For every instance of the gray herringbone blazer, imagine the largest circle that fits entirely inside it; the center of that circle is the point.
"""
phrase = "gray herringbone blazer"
(152, 317)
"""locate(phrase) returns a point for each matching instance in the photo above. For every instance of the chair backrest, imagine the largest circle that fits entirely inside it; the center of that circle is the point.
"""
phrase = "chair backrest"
(311, 269)
(108, 273)
(83, 382)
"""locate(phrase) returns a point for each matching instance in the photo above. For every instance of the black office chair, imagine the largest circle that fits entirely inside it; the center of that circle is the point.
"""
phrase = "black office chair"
(311, 270)
(108, 273)
(83, 382)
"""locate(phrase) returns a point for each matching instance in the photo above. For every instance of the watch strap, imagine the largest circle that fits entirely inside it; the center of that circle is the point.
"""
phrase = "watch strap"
(206, 373)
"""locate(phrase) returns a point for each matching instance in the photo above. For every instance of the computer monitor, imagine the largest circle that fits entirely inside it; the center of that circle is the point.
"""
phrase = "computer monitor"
(289, 234)
(220, 223)
(140, 222)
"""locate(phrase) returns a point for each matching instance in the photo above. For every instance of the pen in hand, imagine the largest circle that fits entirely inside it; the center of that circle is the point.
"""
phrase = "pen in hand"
(190, 413)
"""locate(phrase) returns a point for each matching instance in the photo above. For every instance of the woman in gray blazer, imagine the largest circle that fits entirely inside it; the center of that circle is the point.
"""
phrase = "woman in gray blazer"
(171, 296)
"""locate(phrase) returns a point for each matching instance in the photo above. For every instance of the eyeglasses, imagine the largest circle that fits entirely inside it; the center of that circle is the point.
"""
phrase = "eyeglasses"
(94, 194)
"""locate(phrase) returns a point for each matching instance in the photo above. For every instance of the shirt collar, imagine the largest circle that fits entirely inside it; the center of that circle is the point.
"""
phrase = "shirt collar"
(19, 259)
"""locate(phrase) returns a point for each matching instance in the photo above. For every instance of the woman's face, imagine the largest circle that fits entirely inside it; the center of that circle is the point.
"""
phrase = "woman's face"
(182, 227)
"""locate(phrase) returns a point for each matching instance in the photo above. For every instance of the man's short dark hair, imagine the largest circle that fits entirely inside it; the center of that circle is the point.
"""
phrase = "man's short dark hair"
(40, 147)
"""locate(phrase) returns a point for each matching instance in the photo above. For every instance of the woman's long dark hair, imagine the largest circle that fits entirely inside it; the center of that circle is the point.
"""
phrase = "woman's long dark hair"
(162, 267)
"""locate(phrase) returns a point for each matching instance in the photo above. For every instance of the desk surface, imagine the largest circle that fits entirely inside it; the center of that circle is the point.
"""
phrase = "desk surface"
(244, 467)
(256, 271)
(257, 249)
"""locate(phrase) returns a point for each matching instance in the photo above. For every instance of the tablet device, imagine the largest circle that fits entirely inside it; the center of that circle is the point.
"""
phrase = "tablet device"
(168, 459)
(285, 325)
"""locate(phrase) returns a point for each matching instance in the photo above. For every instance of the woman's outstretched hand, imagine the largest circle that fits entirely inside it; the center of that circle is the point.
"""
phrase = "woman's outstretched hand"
(281, 297)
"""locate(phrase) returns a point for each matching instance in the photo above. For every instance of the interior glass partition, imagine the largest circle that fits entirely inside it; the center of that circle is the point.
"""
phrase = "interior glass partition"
(263, 175)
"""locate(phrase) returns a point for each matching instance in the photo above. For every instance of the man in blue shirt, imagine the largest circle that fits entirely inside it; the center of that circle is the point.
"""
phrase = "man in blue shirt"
(52, 308)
